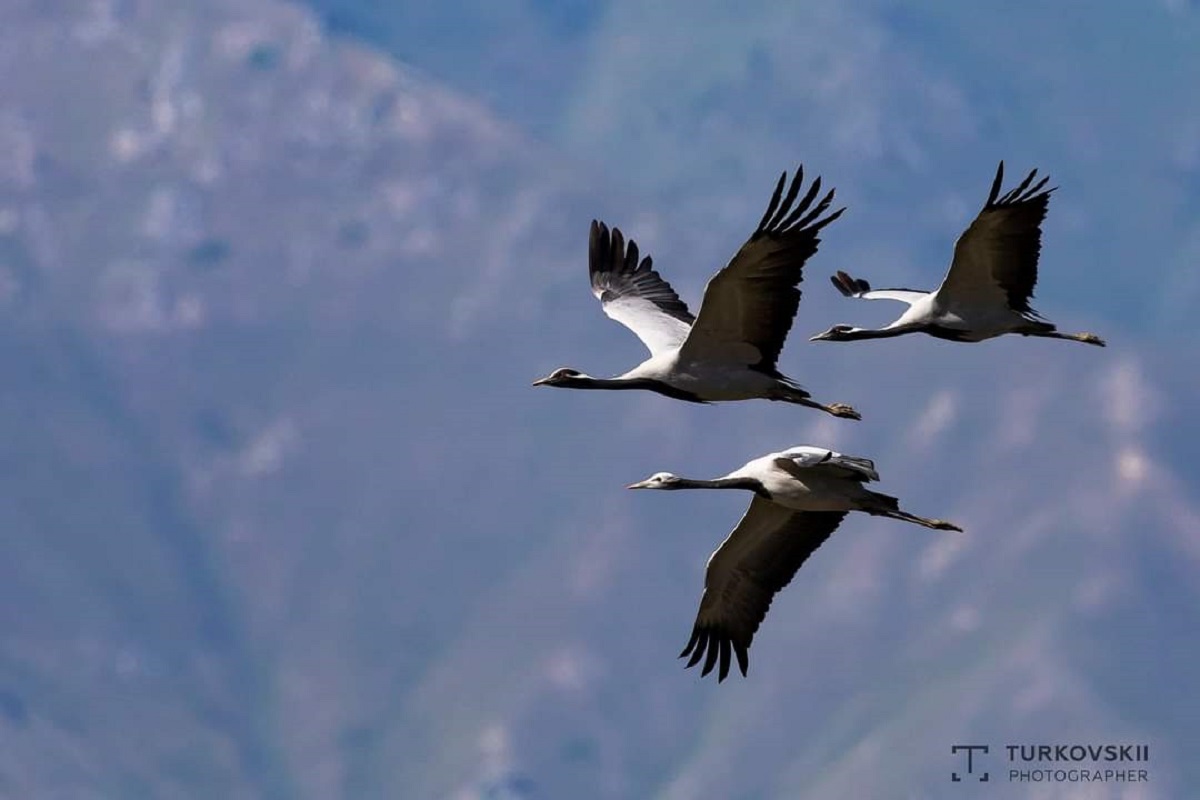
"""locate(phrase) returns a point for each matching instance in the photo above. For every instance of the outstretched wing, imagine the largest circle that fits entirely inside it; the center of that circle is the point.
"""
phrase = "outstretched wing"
(749, 305)
(857, 287)
(996, 258)
(634, 294)
(745, 573)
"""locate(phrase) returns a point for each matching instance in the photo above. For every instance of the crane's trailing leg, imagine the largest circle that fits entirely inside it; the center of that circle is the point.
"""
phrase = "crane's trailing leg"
(887, 506)
(1088, 338)
(1049, 332)
(794, 394)
(836, 409)
(926, 522)
(841, 410)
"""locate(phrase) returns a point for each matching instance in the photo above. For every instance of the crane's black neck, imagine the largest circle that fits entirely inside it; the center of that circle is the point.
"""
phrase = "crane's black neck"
(750, 484)
(874, 333)
(937, 331)
(647, 384)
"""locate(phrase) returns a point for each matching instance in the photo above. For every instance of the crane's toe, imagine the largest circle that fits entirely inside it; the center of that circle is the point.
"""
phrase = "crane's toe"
(1091, 338)
(843, 410)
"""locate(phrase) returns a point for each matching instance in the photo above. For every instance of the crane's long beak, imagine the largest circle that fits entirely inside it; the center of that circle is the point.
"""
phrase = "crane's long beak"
(541, 381)
(820, 337)
(638, 485)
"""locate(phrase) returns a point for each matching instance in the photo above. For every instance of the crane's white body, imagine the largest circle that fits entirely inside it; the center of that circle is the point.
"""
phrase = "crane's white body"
(711, 379)
(976, 318)
(801, 495)
(820, 480)
(729, 350)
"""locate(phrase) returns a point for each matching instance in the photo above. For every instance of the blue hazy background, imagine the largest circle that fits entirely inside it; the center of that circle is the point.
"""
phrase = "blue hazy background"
(282, 517)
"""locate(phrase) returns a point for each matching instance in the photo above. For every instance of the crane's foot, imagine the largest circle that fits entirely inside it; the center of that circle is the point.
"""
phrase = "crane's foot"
(1090, 338)
(842, 410)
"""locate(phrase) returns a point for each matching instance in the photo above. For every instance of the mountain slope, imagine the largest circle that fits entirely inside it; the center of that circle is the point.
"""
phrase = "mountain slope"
(285, 518)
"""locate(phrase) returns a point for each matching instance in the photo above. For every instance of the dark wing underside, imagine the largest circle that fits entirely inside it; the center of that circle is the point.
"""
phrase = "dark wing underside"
(756, 561)
(633, 293)
(998, 253)
(749, 305)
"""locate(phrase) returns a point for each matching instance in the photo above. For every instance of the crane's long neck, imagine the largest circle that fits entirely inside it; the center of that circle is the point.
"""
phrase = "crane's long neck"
(588, 382)
(878, 333)
(648, 384)
(752, 484)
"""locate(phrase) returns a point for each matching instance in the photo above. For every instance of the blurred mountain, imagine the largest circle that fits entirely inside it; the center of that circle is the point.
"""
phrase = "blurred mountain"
(284, 518)
(908, 106)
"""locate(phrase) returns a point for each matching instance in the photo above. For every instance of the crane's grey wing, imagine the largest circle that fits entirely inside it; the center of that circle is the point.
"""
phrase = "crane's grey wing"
(795, 460)
(804, 455)
(751, 566)
(996, 258)
(749, 305)
(632, 293)
(857, 287)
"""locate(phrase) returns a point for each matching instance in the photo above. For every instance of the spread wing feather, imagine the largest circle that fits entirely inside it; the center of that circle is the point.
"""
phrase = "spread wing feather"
(996, 258)
(633, 293)
(749, 305)
(756, 561)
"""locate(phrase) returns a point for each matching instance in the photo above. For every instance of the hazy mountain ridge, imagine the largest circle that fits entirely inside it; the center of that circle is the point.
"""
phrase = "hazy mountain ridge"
(281, 526)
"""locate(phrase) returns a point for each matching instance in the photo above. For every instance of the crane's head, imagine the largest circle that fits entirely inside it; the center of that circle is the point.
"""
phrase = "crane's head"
(838, 333)
(563, 376)
(659, 480)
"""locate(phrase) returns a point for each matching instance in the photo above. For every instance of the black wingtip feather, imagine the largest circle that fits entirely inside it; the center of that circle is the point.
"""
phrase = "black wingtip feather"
(786, 214)
(743, 657)
(786, 205)
(995, 192)
(1045, 179)
(830, 218)
(631, 256)
(849, 286)
(718, 652)
(714, 650)
(691, 643)
(798, 218)
(701, 646)
(807, 222)
(1018, 193)
(783, 222)
(1021, 193)
(616, 252)
(771, 206)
